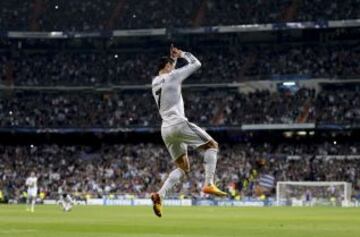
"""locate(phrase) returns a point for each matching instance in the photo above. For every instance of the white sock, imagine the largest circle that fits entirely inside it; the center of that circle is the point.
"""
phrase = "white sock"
(32, 205)
(67, 207)
(210, 159)
(28, 204)
(171, 181)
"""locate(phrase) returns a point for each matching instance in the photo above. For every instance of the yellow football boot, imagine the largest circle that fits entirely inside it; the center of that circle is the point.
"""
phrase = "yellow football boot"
(213, 190)
(157, 206)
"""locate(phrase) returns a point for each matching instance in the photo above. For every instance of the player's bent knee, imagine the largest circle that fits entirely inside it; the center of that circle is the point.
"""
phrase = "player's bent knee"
(183, 163)
(212, 145)
(209, 145)
(185, 167)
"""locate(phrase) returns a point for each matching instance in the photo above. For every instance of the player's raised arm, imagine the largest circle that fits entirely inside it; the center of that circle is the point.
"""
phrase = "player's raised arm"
(174, 54)
(193, 65)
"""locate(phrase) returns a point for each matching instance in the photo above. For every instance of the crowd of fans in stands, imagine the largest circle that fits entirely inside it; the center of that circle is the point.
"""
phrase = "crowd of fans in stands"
(343, 106)
(224, 64)
(90, 15)
(140, 169)
(206, 107)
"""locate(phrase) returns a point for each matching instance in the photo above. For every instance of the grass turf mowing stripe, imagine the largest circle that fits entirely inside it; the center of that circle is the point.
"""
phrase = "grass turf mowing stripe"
(100, 221)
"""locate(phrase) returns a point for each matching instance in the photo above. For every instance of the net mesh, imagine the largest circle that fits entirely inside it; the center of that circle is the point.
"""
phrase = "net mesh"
(313, 193)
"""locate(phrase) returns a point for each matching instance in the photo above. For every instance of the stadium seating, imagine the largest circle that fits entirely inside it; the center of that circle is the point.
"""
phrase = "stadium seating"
(94, 15)
(220, 64)
(14, 15)
(95, 66)
(130, 169)
(205, 107)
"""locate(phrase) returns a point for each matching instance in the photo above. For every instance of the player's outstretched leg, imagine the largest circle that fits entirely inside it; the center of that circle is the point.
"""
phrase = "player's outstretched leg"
(210, 160)
(173, 179)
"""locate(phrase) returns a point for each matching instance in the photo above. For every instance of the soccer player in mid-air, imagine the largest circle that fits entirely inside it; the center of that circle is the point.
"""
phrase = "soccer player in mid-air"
(31, 183)
(177, 132)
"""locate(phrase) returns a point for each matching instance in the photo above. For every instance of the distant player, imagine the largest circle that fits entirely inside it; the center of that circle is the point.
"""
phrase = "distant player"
(176, 131)
(31, 184)
(66, 202)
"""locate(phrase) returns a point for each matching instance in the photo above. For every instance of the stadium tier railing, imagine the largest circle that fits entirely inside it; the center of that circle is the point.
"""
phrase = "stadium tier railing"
(246, 85)
(197, 30)
(298, 129)
(150, 129)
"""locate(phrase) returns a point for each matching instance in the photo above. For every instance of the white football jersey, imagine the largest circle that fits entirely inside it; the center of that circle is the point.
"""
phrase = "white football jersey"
(166, 89)
(31, 182)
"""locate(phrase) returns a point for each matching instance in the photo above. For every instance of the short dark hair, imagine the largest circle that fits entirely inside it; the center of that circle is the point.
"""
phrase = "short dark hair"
(163, 61)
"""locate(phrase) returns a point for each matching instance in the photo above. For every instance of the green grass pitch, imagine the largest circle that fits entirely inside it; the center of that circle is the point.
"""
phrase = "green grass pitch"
(99, 221)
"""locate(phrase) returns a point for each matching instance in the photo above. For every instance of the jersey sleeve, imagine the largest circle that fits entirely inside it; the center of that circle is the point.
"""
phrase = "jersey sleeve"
(193, 65)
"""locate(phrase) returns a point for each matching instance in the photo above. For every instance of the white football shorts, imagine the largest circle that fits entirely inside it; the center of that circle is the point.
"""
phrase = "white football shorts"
(32, 192)
(179, 136)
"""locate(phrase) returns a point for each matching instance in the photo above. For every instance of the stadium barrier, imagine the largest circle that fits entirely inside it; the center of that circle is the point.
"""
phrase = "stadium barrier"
(170, 202)
(136, 202)
(232, 203)
(185, 202)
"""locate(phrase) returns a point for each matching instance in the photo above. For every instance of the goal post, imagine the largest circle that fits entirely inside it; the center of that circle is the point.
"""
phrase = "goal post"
(290, 193)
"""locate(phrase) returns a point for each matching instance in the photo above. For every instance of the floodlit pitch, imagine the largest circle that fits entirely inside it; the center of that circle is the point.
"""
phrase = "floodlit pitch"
(99, 221)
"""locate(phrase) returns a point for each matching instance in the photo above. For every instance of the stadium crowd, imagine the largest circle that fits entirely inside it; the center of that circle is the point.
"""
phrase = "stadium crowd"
(93, 15)
(220, 64)
(139, 169)
(340, 106)
(206, 107)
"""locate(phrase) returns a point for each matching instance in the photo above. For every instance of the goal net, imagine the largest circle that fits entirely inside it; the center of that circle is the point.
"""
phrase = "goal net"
(313, 193)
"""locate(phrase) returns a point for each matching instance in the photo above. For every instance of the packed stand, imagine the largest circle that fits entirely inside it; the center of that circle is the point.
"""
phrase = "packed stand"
(137, 108)
(235, 12)
(224, 64)
(78, 110)
(79, 68)
(266, 107)
(95, 15)
(140, 169)
(339, 106)
(216, 107)
(322, 10)
(76, 15)
(14, 15)
(157, 14)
